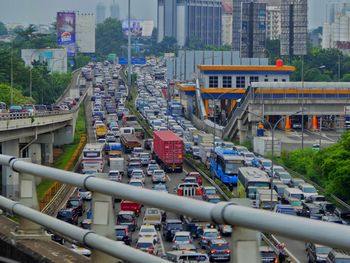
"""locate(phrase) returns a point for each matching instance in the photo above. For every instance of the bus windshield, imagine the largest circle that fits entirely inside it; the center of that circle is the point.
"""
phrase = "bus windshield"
(92, 154)
(231, 167)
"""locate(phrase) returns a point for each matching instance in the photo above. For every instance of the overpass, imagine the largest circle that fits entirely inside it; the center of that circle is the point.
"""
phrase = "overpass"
(34, 135)
(271, 99)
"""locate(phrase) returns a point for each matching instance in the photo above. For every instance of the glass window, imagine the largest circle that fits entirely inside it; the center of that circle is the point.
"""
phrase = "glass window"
(266, 80)
(253, 79)
(284, 80)
(213, 81)
(227, 82)
(275, 80)
(240, 82)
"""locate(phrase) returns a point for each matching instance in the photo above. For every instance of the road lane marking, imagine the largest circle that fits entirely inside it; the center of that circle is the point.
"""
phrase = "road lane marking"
(167, 176)
(161, 242)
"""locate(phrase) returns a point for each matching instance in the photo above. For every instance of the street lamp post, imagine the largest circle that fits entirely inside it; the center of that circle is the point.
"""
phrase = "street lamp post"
(272, 128)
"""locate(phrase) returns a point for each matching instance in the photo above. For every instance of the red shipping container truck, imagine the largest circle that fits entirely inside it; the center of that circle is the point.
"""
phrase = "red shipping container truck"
(168, 150)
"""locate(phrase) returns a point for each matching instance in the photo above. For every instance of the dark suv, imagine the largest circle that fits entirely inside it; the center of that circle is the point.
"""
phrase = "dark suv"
(68, 215)
(77, 204)
(122, 233)
(218, 250)
(317, 253)
(171, 227)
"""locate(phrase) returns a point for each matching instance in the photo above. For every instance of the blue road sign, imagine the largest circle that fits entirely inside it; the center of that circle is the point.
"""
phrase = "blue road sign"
(134, 61)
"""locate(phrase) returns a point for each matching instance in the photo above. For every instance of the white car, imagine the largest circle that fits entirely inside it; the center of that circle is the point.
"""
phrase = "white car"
(84, 194)
(151, 167)
(148, 245)
(81, 250)
(136, 182)
(248, 158)
(138, 174)
(114, 175)
(182, 238)
(148, 231)
(158, 176)
(308, 190)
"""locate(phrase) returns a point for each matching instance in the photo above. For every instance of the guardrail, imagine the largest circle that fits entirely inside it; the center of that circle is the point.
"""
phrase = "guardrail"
(329, 234)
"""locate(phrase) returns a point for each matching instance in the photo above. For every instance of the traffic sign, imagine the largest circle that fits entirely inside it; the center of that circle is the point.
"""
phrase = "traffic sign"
(134, 61)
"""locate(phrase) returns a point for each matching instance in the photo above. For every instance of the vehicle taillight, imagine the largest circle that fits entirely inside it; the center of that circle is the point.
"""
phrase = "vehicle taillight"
(227, 251)
(150, 250)
(126, 231)
(212, 251)
(199, 191)
(275, 261)
(179, 192)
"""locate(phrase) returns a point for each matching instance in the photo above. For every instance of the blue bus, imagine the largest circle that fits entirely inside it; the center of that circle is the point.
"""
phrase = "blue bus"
(224, 164)
(175, 108)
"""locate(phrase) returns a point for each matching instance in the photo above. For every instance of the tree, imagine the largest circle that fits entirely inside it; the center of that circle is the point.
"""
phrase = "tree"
(3, 29)
(109, 37)
(346, 77)
(313, 74)
(18, 98)
(168, 44)
(194, 43)
(273, 50)
(81, 60)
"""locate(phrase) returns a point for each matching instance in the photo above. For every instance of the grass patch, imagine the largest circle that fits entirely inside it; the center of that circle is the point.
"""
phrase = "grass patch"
(67, 153)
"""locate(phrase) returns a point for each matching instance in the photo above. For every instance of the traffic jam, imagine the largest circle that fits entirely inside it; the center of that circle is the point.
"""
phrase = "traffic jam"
(121, 149)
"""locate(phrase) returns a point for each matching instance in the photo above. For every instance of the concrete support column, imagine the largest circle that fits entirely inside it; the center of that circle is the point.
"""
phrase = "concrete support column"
(48, 150)
(288, 124)
(64, 136)
(233, 103)
(314, 123)
(28, 197)
(244, 240)
(103, 223)
(10, 178)
(34, 152)
(242, 132)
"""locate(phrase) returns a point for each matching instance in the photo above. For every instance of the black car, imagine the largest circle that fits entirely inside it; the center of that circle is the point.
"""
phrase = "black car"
(317, 253)
(132, 166)
(68, 215)
(312, 211)
(148, 144)
(172, 226)
(122, 233)
(267, 254)
(77, 204)
(56, 238)
(218, 250)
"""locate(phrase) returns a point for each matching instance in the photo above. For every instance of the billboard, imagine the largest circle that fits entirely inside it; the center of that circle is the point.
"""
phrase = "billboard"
(65, 28)
(138, 28)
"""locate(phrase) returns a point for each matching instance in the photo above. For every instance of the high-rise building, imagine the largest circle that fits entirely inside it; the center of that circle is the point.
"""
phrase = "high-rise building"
(253, 30)
(183, 19)
(85, 32)
(294, 24)
(226, 22)
(236, 23)
(100, 12)
(337, 34)
(273, 29)
(114, 8)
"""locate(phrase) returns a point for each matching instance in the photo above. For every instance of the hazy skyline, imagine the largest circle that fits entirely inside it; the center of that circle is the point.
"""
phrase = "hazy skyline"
(44, 11)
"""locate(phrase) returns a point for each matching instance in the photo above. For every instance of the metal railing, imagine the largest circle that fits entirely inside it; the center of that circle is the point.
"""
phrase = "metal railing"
(329, 234)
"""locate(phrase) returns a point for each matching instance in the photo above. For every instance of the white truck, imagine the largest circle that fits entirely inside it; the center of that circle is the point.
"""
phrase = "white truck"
(117, 163)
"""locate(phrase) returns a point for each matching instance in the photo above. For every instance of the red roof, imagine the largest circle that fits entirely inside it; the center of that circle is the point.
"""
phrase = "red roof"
(167, 136)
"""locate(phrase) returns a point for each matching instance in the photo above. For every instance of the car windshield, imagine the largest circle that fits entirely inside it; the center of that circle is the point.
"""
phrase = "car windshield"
(174, 226)
(125, 218)
(267, 163)
(182, 238)
(120, 232)
(210, 234)
(210, 191)
(214, 200)
(220, 246)
(74, 203)
(284, 176)
(138, 184)
(309, 190)
(147, 230)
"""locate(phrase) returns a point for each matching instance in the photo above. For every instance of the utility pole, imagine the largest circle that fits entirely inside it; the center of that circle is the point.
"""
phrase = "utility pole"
(129, 50)
(302, 102)
(12, 73)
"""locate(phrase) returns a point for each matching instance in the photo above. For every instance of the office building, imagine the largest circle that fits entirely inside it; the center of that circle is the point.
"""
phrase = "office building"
(114, 8)
(236, 23)
(273, 23)
(253, 30)
(337, 34)
(85, 32)
(191, 18)
(226, 22)
(100, 12)
(294, 23)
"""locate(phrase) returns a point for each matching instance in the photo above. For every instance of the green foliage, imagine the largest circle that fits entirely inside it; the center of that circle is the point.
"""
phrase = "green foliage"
(18, 98)
(346, 77)
(3, 29)
(273, 50)
(81, 60)
(109, 37)
(329, 167)
(194, 43)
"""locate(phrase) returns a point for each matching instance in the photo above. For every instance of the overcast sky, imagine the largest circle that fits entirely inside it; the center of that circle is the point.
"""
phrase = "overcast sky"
(44, 11)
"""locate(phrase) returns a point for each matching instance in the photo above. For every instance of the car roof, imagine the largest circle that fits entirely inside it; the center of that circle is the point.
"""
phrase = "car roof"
(210, 230)
(146, 240)
(121, 226)
(126, 212)
(218, 241)
(173, 221)
(182, 233)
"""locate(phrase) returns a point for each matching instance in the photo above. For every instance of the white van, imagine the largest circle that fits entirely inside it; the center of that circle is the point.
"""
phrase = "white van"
(127, 130)
(292, 194)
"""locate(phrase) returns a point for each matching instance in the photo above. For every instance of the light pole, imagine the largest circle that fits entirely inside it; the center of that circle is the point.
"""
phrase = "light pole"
(12, 73)
(129, 50)
(272, 128)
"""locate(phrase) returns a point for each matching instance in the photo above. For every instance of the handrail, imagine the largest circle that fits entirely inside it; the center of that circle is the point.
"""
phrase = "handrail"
(329, 234)
(86, 237)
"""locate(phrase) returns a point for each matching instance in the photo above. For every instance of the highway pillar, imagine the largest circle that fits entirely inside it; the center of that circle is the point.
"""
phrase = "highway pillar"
(103, 223)
(28, 197)
(229, 106)
(233, 103)
(314, 123)
(242, 132)
(35, 153)
(244, 240)
(64, 135)
(9, 177)
(48, 153)
(288, 125)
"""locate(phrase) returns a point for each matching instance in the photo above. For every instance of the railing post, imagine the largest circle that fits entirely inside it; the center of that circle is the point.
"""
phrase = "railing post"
(244, 240)
(103, 223)
(28, 197)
